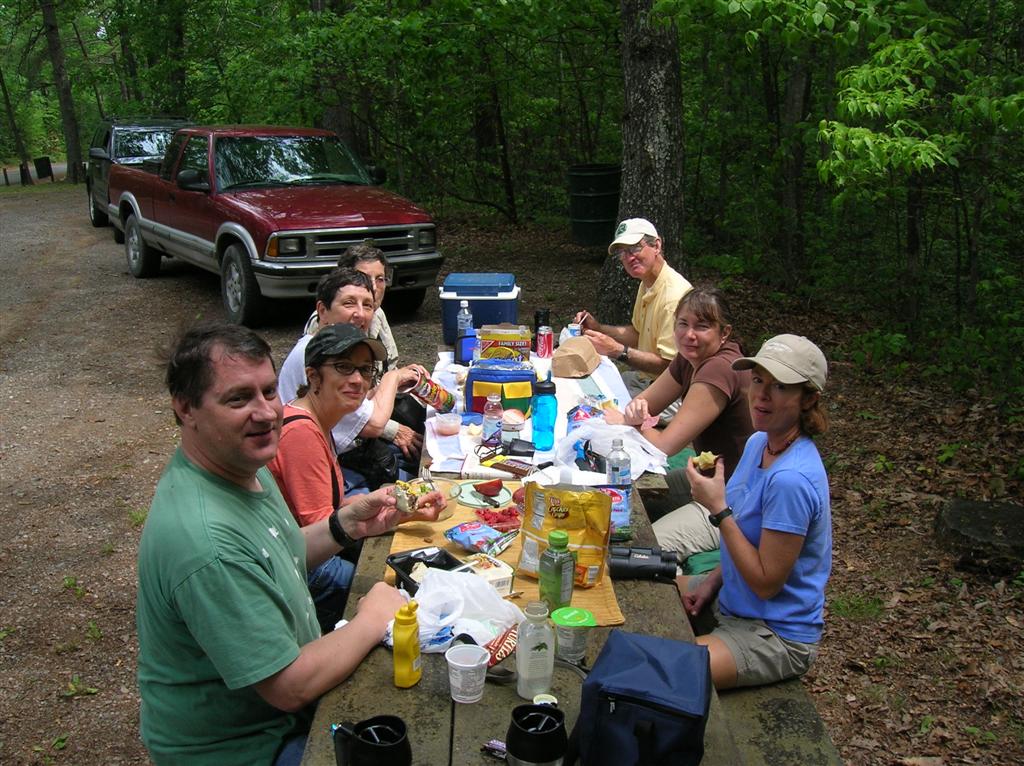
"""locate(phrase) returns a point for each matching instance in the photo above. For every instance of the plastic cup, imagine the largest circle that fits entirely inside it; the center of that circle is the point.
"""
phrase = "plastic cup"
(467, 671)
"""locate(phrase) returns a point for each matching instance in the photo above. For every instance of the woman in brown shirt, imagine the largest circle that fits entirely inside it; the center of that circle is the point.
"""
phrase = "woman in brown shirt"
(713, 416)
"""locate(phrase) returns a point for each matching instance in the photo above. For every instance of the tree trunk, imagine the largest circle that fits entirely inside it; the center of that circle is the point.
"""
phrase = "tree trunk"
(130, 78)
(652, 147)
(794, 107)
(912, 267)
(85, 57)
(19, 144)
(69, 122)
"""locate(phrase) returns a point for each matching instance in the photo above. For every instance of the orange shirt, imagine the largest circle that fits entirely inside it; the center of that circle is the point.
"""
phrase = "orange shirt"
(303, 468)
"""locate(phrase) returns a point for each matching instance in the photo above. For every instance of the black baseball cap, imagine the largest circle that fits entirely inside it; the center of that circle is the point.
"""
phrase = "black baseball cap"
(336, 339)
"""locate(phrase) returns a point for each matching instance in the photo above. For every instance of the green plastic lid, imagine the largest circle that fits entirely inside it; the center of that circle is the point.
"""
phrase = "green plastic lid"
(573, 617)
(558, 538)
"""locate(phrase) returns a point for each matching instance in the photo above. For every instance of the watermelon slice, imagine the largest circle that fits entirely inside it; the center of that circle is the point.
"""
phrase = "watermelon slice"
(489, 488)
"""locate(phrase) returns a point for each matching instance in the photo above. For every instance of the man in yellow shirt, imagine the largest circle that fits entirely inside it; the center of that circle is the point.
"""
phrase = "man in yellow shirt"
(647, 344)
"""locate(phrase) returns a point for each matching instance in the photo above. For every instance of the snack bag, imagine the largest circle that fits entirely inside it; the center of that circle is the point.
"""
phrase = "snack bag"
(584, 513)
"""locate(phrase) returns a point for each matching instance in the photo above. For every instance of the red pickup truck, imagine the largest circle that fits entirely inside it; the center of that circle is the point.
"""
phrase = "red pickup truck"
(270, 209)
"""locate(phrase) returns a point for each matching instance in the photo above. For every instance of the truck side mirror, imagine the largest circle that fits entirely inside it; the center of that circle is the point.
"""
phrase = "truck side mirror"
(378, 175)
(98, 153)
(191, 180)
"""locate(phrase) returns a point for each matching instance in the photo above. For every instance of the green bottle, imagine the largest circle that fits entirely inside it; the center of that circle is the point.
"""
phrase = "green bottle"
(557, 570)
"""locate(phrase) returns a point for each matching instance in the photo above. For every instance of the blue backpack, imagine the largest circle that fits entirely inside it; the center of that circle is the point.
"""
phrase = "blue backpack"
(645, 703)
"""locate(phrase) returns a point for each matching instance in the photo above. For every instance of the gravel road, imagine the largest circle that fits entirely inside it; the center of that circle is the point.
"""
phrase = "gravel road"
(85, 431)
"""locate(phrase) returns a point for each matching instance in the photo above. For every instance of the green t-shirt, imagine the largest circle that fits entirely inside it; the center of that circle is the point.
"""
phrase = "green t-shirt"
(222, 604)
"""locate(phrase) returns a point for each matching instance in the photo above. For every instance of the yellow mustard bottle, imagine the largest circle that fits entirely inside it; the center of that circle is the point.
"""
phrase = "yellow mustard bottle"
(406, 633)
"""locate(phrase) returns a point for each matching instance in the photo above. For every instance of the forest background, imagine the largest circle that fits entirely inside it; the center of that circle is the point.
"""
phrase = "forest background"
(858, 153)
(857, 158)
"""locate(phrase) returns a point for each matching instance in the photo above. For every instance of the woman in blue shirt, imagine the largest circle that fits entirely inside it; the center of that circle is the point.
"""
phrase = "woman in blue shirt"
(776, 526)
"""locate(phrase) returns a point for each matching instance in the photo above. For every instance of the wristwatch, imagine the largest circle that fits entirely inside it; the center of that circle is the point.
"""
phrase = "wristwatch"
(338, 533)
(716, 519)
(624, 356)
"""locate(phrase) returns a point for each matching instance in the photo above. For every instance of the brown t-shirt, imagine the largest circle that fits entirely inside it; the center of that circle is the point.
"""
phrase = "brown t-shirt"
(728, 433)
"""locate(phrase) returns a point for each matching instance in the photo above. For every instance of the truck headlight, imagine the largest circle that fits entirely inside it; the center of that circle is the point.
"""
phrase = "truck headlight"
(427, 237)
(286, 246)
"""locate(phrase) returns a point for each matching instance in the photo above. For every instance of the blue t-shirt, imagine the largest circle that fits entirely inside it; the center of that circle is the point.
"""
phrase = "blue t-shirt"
(790, 496)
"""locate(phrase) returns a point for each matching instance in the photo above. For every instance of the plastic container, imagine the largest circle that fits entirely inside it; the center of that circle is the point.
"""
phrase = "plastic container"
(493, 298)
(406, 655)
(535, 652)
(544, 412)
(556, 571)
(493, 413)
(572, 625)
(448, 424)
(403, 563)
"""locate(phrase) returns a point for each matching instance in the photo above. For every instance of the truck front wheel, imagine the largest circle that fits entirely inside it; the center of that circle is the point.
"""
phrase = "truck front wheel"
(242, 299)
(97, 217)
(143, 260)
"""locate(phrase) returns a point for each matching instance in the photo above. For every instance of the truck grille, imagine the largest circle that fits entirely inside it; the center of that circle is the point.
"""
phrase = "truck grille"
(393, 240)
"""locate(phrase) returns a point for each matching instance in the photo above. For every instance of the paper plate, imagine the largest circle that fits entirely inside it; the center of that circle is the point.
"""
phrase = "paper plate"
(467, 498)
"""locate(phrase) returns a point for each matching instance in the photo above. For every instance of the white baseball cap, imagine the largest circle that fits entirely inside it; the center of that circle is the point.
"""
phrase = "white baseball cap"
(631, 231)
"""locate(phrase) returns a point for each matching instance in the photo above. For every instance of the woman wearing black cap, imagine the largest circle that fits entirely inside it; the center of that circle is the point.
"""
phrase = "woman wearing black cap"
(339, 370)
(776, 526)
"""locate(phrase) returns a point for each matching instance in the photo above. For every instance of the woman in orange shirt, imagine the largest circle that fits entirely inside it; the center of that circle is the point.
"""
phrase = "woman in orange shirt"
(339, 370)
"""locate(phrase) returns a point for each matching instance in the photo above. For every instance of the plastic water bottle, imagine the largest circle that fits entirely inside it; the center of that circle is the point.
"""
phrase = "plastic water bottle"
(544, 411)
(535, 652)
(493, 413)
(618, 465)
(464, 319)
(556, 571)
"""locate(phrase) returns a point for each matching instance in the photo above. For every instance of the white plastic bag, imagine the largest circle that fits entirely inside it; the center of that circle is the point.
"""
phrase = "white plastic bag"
(451, 603)
(643, 456)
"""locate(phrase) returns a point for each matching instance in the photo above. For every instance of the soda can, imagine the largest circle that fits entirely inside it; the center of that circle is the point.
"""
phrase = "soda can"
(432, 394)
(545, 342)
(541, 318)
(574, 329)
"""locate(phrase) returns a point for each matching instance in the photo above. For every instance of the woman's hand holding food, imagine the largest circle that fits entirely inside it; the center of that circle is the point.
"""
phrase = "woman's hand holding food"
(709, 491)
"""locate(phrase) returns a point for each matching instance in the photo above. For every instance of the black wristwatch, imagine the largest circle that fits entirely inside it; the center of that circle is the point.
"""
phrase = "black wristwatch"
(624, 356)
(716, 519)
(341, 537)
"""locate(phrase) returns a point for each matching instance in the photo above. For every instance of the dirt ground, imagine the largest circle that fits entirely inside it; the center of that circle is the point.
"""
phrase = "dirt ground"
(920, 664)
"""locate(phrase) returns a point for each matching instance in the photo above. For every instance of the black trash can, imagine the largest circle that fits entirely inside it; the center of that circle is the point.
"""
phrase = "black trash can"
(43, 167)
(594, 202)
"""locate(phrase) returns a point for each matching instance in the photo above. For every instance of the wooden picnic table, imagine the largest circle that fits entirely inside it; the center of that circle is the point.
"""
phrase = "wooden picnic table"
(649, 607)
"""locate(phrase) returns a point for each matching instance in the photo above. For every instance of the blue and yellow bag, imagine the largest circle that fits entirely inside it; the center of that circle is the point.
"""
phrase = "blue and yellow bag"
(512, 380)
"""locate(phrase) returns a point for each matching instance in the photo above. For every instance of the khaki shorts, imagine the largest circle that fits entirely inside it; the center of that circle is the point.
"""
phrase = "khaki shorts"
(761, 655)
(687, 530)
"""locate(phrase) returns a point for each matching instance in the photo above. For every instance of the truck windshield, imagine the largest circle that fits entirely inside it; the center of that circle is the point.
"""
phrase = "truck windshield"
(250, 161)
(140, 144)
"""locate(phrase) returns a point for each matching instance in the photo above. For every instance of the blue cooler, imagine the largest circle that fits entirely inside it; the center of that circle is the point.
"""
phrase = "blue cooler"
(493, 298)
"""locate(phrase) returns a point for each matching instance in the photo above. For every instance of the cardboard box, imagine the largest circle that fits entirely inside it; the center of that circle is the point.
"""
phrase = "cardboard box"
(505, 341)
(499, 574)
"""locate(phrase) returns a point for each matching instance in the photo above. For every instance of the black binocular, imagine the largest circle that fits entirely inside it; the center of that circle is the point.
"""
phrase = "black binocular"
(625, 563)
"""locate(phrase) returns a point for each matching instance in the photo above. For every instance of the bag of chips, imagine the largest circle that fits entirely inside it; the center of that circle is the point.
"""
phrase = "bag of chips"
(584, 513)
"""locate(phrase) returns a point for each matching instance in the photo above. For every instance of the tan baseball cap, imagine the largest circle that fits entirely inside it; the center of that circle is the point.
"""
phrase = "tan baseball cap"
(631, 231)
(574, 358)
(789, 359)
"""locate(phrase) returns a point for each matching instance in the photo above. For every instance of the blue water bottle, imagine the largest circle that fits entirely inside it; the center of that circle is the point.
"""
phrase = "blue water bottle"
(545, 409)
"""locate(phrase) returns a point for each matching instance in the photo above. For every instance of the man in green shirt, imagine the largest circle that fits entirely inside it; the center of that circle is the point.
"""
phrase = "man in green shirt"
(231, 660)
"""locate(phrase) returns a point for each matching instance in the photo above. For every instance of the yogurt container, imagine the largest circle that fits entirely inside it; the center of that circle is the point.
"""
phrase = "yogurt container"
(572, 625)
